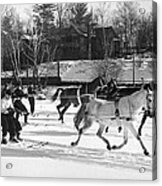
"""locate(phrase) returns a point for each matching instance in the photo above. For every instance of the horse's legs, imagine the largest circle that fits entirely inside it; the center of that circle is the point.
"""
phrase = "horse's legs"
(134, 132)
(58, 109)
(87, 124)
(80, 131)
(79, 116)
(99, 134)
(142, 123)
(63, 111)
(125, 136)
(155, 130)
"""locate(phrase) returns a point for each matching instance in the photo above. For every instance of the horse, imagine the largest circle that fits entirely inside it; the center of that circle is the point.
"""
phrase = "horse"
(151, 113)
(98, 110)
(115, 92)
(148, 113)
(70, 96)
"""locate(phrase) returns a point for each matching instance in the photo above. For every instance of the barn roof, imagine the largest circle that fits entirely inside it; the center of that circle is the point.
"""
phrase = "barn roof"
(83, 71)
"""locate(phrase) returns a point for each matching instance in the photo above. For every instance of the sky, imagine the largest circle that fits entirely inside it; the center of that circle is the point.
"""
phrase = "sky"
(25, 9)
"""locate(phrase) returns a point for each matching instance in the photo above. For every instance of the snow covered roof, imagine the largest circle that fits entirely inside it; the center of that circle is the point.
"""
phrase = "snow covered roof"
(84, 71)
(127, 75)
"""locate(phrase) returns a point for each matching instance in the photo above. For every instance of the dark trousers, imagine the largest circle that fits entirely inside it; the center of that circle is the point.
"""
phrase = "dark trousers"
(32, 104)
(9, 124)
(20, 108)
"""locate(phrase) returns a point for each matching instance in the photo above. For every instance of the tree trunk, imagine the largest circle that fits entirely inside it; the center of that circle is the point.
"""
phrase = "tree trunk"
(18, 55)
(105, 44)
(15, 59)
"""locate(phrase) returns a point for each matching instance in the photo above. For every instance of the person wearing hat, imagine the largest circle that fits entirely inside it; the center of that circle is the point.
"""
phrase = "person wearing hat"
(7, 86)
(20, 108)
(8, 122)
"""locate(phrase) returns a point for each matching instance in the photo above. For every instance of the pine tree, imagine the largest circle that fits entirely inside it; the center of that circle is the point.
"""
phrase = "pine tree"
(80, 13)
(44, 18)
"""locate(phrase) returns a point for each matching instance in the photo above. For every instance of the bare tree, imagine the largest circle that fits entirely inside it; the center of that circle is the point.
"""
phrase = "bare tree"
(103, 18)
(12, 30)
(144, 36)
(107, 69)
(126, 21)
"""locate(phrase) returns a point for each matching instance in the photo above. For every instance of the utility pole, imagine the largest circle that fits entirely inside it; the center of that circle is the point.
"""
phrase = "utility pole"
(134, 69)
(90, 35)
(58, 68)
(89, 42)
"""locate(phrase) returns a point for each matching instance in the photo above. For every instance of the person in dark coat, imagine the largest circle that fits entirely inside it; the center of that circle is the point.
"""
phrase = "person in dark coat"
(8, 122)
(3, 91)
(20, 108)
(31, 99)
(8, 86)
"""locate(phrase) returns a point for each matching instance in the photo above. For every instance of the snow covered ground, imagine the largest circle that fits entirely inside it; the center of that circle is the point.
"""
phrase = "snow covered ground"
(46, 150)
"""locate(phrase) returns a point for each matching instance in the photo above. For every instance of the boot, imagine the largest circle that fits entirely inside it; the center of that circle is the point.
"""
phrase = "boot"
(13, 139)
(18, 137)
(4, 141)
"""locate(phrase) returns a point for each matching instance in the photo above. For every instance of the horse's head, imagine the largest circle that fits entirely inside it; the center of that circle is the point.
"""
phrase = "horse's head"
(111, 85)
(149, 98)
(150, 101)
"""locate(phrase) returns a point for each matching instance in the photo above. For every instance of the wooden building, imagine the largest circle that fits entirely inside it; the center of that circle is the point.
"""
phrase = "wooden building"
(78, 41)
(74, 43)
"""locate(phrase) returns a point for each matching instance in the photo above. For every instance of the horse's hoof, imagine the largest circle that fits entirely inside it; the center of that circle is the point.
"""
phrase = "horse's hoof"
(108, 147)
(146, 153)
(73, 144)
(114, 147)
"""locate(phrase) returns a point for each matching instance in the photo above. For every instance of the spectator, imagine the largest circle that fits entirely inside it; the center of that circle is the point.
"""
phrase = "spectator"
(31, 99)
(20, 108)
(8, 122)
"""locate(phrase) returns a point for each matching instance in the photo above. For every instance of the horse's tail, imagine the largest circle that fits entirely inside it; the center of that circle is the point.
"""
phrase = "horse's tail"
(54, 97)
(79, 116)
